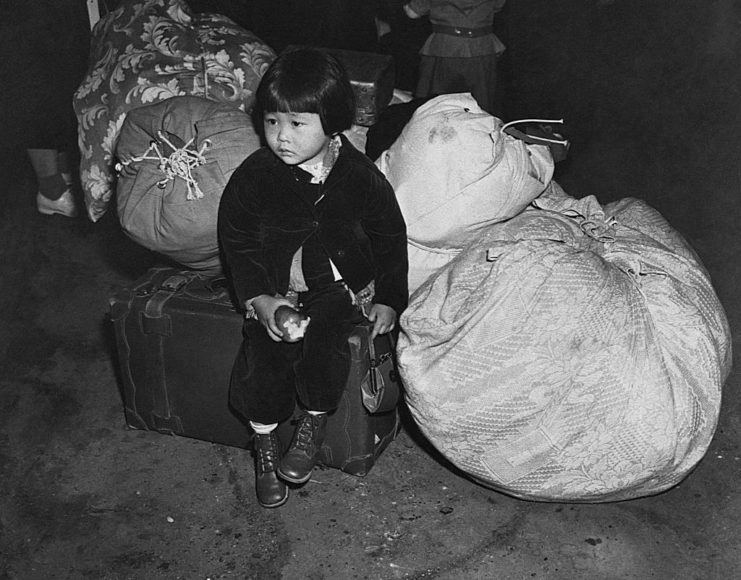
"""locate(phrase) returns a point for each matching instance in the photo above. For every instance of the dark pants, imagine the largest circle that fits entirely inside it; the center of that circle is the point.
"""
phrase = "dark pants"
(269, 376)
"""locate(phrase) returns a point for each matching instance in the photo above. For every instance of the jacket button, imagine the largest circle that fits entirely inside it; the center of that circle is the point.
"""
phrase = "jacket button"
(340, 253)
(315, 224)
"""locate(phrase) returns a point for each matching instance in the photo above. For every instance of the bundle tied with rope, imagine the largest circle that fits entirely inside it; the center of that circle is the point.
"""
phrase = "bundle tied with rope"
(587, 347)
(179, 163)
(174, 159)
(456, 170)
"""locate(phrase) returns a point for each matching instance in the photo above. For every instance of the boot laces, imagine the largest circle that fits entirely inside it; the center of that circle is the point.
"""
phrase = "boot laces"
(266, 450)
(305, 433)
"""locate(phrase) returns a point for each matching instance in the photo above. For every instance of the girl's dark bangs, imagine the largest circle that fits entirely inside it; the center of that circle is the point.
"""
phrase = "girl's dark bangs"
(285, 100)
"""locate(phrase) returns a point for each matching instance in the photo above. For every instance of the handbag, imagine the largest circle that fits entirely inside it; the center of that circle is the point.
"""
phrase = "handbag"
(380, 387)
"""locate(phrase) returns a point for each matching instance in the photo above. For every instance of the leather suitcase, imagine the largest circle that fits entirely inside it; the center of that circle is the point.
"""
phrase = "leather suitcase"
(355, 438)
(372, 77)
(177, 335)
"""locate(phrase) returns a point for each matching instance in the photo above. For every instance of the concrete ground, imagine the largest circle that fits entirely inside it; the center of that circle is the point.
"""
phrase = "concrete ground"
(82, 496)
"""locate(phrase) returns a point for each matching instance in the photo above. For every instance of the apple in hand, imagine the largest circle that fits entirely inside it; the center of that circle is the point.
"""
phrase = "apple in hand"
(292, 323)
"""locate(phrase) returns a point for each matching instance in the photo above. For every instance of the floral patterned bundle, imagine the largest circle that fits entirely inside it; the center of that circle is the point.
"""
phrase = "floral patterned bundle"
(573, 353)
(149, 51)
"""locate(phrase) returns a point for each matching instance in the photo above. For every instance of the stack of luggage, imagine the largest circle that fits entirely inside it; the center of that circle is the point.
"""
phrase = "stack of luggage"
(554, 348)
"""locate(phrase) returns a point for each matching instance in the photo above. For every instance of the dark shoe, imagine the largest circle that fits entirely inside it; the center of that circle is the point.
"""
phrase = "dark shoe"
(300, 459)
(271, 491)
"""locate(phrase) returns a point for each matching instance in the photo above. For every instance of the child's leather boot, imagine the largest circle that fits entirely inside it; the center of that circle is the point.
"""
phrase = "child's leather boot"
(300, 459)
(271, 491)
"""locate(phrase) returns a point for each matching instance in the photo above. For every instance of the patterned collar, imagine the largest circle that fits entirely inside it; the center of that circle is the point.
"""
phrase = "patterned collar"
(320, 171)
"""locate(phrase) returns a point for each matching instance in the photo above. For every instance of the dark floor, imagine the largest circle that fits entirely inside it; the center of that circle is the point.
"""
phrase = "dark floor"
(81, 496)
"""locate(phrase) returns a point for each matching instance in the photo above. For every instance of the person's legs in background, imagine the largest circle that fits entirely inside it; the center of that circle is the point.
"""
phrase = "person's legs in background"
(54, 180)
(50, 43)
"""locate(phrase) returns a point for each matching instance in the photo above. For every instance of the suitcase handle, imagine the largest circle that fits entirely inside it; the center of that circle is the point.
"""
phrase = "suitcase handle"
(212, 290)
(176, 282)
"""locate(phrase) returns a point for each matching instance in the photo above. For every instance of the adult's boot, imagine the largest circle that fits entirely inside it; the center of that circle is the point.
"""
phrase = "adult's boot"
(271, 491)
(301, 457)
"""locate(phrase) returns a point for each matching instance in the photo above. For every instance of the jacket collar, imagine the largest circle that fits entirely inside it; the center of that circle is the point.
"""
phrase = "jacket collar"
(339, 170)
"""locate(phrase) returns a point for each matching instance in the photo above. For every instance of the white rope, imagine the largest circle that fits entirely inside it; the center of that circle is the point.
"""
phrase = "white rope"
(180, 163)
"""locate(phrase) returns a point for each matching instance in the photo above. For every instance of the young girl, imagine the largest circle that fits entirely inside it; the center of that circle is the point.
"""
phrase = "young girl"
(307, 216)
(461, 53)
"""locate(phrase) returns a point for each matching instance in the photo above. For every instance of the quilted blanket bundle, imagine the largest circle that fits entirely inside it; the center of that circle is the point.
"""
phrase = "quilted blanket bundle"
(573, 353)
(148, 51)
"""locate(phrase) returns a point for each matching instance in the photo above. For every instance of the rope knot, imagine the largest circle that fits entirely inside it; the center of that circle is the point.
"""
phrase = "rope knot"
(179, 163)
(596, 225)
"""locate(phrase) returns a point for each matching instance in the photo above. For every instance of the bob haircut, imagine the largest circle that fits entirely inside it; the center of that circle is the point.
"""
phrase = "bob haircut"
(307, 80)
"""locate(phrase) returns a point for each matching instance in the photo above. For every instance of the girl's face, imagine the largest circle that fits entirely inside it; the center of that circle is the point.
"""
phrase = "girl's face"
(296, 138)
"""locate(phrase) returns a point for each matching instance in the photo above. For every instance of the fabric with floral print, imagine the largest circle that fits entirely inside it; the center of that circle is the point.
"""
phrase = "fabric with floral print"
(149, 51)
(576, 352)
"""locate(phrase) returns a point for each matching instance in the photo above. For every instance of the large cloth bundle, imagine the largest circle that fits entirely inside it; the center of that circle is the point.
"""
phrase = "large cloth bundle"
(574, 353)
(175, 158)
(455, 173)
(425, 261)
(149, 51)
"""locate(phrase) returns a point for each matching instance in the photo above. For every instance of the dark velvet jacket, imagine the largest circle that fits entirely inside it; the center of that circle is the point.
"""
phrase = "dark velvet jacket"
(267, 212)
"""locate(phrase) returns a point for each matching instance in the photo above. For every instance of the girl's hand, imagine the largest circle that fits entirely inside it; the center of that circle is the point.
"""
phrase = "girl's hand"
(383, 318)
(265, 307)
